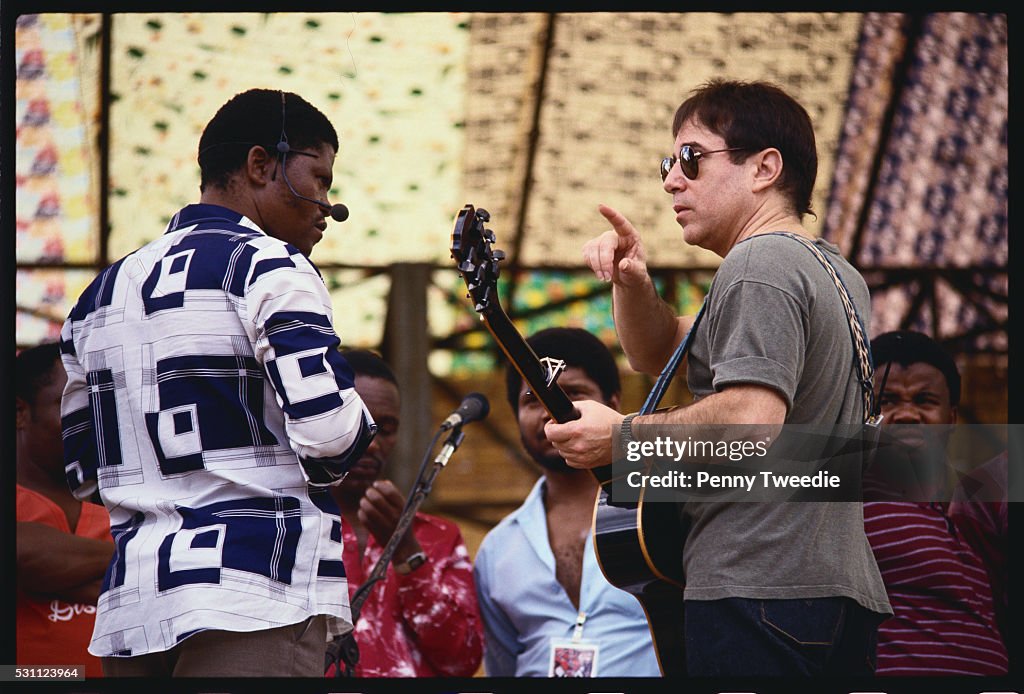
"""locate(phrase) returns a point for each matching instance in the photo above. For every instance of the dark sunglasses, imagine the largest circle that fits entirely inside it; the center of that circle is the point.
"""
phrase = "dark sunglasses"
(688, 157)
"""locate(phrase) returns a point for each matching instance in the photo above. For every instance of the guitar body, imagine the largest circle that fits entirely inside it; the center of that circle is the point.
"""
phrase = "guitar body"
(639, 546)
(640, 549)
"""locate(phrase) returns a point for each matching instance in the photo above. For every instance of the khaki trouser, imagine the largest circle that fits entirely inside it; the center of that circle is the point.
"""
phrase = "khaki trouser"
(296, 650)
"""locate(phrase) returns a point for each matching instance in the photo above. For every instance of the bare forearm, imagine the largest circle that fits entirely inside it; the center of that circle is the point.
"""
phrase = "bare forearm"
(741, 404)
(737, 416)
(648, 328)
(51, 561)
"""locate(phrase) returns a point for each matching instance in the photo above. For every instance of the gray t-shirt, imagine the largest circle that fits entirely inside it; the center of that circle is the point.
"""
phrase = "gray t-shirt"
(774, 317)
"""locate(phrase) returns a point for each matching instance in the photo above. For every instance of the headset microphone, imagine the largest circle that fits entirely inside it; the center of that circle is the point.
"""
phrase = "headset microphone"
(337, 212)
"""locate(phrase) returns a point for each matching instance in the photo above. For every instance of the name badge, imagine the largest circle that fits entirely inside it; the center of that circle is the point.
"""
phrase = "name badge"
(573, 658)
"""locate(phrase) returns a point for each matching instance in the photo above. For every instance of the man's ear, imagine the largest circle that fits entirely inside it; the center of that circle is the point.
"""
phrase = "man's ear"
(259, 166)
(769, 168)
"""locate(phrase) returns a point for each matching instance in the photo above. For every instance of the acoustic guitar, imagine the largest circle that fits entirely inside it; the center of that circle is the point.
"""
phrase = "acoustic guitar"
(639, 545)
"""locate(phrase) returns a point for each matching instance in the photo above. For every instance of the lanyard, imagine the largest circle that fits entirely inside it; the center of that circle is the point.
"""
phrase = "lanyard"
(577, 632)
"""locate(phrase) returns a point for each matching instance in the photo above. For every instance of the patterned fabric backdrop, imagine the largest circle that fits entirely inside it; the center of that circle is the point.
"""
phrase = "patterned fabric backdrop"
(393, 84)
(537, 118)
(612, 84)
(55, 196)
(55, 205)
(941, 194)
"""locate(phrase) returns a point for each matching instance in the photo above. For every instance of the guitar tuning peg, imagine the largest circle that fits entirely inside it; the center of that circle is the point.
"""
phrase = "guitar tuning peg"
(499, 256)
(466, 266)
(483, 215)
(489, 236)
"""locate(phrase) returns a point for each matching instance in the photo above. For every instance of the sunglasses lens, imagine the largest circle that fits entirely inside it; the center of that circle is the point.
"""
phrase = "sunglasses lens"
(688, 162)
(666, 166)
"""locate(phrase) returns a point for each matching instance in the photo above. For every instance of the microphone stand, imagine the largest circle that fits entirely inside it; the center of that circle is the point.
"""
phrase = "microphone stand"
(343, 651)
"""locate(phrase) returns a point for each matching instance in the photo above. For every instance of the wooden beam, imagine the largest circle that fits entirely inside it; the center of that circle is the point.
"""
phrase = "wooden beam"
(406, 346)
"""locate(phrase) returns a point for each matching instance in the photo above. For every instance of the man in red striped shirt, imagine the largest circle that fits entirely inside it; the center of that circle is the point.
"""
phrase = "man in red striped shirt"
(944, 621)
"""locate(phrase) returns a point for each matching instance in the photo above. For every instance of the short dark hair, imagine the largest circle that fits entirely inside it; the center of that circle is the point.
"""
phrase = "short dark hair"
(369, 364)
(576, 347)
(256, 117)
(906, 347)
(34, 369)
(755, 116)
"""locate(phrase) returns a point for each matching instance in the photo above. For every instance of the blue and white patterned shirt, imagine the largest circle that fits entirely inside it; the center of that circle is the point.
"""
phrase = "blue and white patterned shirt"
(208, 403)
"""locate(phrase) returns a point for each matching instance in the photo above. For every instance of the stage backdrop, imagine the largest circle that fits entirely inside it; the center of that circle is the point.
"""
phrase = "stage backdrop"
(537, 118)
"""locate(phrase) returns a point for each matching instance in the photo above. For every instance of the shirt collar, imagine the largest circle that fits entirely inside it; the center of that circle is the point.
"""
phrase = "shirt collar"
(190, 215)
(533, 521)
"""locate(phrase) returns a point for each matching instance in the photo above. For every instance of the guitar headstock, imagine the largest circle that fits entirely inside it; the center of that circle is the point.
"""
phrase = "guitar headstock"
(478, 263)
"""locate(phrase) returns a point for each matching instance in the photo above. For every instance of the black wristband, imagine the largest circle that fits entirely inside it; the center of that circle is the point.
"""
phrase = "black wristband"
(626, 429)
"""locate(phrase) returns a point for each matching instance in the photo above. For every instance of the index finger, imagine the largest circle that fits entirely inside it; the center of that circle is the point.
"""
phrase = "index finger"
(621, 225)
(603, 253)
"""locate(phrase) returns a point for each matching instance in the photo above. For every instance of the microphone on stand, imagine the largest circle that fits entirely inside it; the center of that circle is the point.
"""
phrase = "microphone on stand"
(343, 652)
(473, 408)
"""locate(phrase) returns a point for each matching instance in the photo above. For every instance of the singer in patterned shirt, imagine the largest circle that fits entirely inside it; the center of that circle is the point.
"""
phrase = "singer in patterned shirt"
(208, 408)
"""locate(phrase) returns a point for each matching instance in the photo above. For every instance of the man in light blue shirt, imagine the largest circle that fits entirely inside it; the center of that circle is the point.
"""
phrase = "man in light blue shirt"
(547, 609)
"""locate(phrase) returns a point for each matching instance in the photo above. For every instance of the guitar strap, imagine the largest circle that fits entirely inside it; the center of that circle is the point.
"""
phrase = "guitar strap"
(669, 372)
(861, 350)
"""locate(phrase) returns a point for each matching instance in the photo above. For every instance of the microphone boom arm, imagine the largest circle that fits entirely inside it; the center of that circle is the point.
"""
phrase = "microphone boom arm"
(337, 212)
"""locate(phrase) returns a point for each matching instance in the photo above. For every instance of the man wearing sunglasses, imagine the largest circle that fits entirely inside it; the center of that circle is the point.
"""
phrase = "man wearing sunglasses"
(771, 588)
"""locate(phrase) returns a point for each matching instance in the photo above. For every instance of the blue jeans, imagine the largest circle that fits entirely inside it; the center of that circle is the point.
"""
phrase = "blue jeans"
(820, 636)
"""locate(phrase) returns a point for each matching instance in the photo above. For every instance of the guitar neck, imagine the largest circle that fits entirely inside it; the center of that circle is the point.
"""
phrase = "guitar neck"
(526, 362)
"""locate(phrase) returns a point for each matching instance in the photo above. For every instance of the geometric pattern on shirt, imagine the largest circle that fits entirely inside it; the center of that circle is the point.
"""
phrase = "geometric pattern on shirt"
(92, 434)
(305, 361)
(331, 567)
(231, 535)
(122, 534)
(232, 527)
(207, 403)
